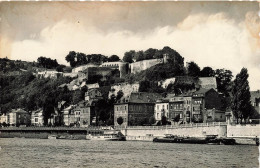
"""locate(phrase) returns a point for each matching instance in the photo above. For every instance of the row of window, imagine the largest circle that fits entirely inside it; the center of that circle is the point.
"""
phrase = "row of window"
(109, 65)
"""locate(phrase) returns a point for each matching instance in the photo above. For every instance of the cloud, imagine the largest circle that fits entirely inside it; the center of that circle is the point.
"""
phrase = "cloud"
(221, 35)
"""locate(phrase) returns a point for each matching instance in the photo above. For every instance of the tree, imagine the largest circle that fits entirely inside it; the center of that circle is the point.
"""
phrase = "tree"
(113, 58)
(71, 58)
(152, 120)
(149, 54)
(241, 105)
(119, 95)
(207, 72)
(120, 120)
(164, 120)
(193, 69)
(139, 56)
(128, 56)
(224, 83)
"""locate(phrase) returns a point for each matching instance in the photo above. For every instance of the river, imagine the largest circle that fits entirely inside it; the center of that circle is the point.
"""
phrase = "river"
(20, 152)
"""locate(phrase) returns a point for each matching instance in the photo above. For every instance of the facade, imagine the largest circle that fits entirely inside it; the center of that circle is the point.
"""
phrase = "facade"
(81, 114)
(37, 118)
(84, 113)
(126, 88)
(121, 66)
(68, 116)
(92, 86)
(203, 101)
(161, 108)
(93, 94)
(181, 107)
(135, 109)
(255, 100)
(49, 74)
(3, 118)
(18, 117)
(72, 75)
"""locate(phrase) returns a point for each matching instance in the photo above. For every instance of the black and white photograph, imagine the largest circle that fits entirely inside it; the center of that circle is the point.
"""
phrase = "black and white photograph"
(123, 84)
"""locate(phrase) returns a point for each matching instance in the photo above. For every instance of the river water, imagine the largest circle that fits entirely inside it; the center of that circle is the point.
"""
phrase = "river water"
(15, 152)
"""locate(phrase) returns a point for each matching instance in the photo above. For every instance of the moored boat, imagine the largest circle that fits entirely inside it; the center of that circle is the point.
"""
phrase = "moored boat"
(195, 140)
(52, 137)
(107, 136)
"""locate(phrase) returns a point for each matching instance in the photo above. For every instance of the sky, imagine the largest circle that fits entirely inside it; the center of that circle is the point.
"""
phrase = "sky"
(216, 34)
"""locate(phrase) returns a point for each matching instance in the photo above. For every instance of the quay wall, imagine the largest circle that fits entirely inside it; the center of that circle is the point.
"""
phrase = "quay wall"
(188, 130)
(247, 131)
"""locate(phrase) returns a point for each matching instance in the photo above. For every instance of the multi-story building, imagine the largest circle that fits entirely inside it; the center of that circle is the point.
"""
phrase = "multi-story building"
(93, 94)
(84, 113)
(18, 117)
(203, 102)
(181, 107)
(135, 109)
(81, 114)
(161, 108)
(3, 118)
(255, 100)
(37, 118)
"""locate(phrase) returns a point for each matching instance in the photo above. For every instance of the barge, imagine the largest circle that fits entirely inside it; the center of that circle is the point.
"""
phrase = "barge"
(169, 138)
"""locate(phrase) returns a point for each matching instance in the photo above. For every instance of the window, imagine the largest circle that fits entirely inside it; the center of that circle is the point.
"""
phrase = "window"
(125, 107)
(36, 120)
(157, 107)
(167, 106)
(163, 106)
(116, 108)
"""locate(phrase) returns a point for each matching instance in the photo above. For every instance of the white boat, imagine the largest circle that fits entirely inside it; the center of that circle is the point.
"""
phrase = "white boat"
(52, 137)
(107, 136)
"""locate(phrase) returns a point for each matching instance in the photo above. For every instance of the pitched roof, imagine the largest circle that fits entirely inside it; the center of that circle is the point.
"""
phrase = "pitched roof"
(144, 97)
(202, 90)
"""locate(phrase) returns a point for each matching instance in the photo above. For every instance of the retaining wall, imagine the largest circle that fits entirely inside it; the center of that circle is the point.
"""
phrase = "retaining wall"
(243, 131)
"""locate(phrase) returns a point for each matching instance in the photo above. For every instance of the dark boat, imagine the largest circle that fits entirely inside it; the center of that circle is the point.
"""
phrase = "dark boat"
(176, 139)
(195, 140)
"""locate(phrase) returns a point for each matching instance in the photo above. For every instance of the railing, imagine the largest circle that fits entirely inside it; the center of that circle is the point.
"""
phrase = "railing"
(174, 126)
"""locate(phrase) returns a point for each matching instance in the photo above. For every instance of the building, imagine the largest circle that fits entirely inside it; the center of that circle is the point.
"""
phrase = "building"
(126, 88)
(3, 118)
(49, 74)
(255, 100)
(93, 94)
(121, 66)
(92, 86)
(84, 113)
(68, 116)
(161, 108)
(135, 109)
(37, 118)
(204, 101)
(18, 117)
(81, 114)
(180, 108)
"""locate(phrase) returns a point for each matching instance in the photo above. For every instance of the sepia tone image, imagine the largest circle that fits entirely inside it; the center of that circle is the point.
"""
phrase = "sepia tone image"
(129, 84)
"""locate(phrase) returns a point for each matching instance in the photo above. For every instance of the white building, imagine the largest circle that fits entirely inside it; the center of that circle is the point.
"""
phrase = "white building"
(37, 118)
(161, 108)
